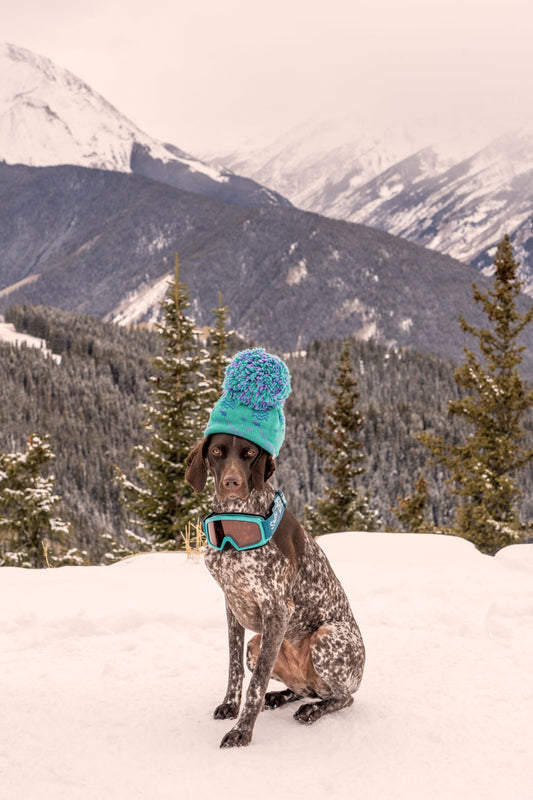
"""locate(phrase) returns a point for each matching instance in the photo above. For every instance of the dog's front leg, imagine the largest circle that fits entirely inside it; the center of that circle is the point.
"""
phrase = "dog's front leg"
(229, 708)
(274, 625)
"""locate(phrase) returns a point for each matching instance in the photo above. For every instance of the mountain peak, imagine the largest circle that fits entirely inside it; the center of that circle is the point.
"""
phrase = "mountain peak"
(20, 55)
(50, 117)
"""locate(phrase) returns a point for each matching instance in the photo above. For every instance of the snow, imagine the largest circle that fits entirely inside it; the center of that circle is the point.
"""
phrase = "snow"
(146, 301)
(49, 116)
(11, 336)
(304, 162)
(297, 273)
(367, 332)
(391, 187)
(206, 169)
(110, 676)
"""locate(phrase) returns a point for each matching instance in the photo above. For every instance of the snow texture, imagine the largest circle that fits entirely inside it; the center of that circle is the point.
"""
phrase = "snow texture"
(110, 676)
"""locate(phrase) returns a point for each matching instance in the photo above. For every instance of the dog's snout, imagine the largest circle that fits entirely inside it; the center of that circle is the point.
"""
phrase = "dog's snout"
(232, 481)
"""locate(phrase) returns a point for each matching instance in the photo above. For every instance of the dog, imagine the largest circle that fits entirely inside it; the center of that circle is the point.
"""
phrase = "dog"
(284, 591)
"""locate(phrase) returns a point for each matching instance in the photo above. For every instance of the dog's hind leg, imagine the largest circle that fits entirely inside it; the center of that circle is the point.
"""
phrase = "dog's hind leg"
(337, 654)
(310, 712)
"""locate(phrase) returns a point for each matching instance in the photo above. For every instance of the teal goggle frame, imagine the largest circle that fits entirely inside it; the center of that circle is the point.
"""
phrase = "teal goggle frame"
(243, 531)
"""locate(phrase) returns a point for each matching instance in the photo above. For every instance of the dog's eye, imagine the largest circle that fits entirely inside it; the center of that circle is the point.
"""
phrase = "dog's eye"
(216, 451)
(251, 452)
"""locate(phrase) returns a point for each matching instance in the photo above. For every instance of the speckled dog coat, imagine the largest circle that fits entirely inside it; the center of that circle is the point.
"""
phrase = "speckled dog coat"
(287, 594)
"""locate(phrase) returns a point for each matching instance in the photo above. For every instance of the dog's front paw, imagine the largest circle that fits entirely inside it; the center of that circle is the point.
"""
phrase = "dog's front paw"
(227, 711)
(237, 737)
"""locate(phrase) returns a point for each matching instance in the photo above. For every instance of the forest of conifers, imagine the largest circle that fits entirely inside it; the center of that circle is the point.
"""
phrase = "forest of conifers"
(91, 406)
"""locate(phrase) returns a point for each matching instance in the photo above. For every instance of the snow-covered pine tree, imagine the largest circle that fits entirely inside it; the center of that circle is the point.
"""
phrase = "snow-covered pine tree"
(164, 502)
(343, 507)
(483, 467)
(30, 536)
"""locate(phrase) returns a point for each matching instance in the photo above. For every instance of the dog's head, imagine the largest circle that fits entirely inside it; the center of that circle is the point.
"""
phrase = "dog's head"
(236, 464)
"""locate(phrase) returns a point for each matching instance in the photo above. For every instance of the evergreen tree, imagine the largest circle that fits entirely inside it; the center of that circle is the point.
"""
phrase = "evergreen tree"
(484, 465)
(411, 510)
(165, 503)
(343, 507)
(30, 536)
(216, 360)
(92, 405)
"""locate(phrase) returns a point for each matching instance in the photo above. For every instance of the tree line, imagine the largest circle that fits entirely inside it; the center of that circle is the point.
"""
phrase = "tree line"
(93, 409)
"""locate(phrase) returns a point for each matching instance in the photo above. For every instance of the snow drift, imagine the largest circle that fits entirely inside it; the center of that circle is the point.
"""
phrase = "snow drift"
(111, 674)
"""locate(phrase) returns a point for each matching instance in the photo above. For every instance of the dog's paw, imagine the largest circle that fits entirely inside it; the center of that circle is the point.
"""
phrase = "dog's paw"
(309, 713)
(277, 699)
(274, 700)
(226, 711)
(237, 737)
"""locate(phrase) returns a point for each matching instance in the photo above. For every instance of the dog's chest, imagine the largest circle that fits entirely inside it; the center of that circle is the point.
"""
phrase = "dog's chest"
(252, 580)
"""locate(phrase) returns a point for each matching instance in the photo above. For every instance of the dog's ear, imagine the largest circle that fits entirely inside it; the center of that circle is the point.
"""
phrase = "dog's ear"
(196, 473)
(262, 468)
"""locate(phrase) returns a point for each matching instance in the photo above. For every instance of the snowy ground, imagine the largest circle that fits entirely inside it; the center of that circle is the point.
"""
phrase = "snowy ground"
(11, 336)
(110, 676)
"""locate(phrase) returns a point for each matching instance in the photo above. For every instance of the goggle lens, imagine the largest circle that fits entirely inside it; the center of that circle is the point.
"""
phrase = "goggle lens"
(243, 533)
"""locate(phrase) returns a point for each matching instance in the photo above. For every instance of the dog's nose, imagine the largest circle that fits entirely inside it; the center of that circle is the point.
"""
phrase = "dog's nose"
(232, 481)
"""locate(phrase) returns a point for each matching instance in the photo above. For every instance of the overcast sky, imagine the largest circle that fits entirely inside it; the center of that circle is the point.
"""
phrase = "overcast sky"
(199, 73)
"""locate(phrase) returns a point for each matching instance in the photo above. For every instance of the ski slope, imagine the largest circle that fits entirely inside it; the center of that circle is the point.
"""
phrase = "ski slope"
(110, 676)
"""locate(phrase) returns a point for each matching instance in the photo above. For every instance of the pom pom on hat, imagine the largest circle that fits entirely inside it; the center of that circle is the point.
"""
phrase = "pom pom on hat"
(255, 387)
(257, 379)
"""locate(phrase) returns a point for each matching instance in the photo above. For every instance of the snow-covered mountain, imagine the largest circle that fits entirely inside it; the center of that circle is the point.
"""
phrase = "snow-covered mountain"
(458, 194)
(70, 235)
(49, 117)
(315, 156)
(461, 208)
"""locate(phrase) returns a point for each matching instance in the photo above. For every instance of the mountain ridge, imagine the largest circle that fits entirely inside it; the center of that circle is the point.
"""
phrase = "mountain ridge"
(457, 198)
(101, 240)
(49, 117)
(94, 241)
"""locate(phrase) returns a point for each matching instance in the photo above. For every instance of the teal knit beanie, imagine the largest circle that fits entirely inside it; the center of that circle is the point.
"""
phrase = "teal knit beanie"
(255, 387)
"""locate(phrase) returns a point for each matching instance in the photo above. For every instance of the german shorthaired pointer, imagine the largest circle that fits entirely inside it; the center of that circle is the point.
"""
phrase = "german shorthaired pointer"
(285, 591)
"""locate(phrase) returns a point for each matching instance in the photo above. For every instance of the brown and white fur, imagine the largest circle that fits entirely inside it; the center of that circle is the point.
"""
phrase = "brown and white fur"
(286, 592)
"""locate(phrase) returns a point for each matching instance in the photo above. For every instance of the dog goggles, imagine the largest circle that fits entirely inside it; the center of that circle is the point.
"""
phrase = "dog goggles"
(243, 531)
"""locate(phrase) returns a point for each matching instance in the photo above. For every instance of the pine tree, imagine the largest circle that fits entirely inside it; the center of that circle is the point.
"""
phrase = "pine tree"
(30, 536)
(343, 507)
(216, 360)
(411, 510)
(164, 502)
(484, 466)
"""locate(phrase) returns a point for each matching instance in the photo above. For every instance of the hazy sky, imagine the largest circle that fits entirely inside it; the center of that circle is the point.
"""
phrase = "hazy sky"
(200, 72)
